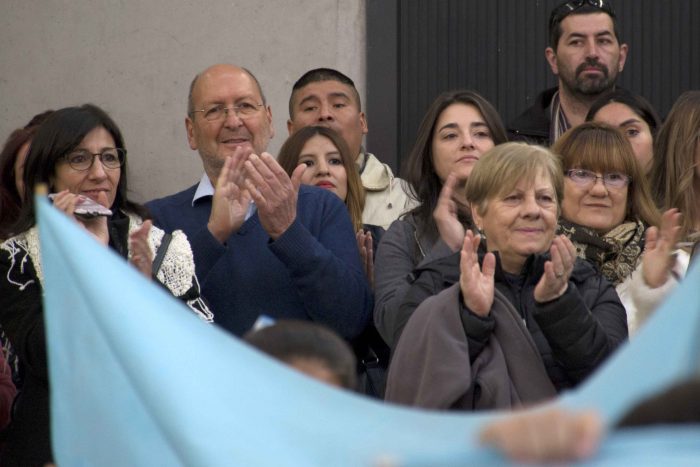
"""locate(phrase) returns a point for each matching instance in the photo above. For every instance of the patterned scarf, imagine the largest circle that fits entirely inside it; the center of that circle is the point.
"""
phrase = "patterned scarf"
(559, 122)
(615, 254)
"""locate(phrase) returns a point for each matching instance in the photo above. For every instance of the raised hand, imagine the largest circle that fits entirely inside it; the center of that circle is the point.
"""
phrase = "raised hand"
(476, 282)
(274, 192)
(658, 259)
(557, 271)
(230, 202)
(65, 201)
(364, 243)
(450, 228)
(140, 254)
(97, 226)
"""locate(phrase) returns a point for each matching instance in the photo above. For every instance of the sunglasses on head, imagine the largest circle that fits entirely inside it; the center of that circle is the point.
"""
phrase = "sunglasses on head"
(565, 9)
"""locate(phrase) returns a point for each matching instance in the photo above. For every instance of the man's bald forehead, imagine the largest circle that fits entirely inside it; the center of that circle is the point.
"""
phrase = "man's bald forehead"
(232, 68)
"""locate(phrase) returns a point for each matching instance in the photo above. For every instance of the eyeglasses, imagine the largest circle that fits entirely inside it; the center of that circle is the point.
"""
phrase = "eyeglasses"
(586, 178)
(82, 159)
(565, 9)
(219, 111)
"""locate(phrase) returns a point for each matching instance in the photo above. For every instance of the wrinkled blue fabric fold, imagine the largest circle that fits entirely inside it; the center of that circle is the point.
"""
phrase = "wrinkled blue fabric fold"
(138, 380)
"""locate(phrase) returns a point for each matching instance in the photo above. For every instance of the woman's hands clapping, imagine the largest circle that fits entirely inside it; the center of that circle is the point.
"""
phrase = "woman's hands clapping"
(364, 244)
(476, 282)
(450, 228)
(557, 271)
(141, 255)
(658, 259)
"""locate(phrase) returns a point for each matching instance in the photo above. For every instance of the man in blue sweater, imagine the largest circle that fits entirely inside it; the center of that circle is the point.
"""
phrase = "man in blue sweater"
(262, 243)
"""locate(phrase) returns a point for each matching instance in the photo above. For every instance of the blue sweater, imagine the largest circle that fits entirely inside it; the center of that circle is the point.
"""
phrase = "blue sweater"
(310, 272)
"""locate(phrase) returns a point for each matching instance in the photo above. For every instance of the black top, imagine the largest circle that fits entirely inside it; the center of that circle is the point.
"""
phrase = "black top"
(574, 333)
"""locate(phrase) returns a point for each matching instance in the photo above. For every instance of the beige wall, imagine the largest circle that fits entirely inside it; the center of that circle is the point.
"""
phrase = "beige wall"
(136, 60)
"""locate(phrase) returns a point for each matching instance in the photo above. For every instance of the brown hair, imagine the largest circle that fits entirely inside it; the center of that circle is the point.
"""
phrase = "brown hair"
(10, 198)
(602, 148)
(672, 174)
(501, 168)
(288, 158)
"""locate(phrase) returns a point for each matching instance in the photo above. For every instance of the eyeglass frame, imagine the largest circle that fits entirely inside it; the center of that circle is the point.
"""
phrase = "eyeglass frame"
(565, 9)
(606, 183)
(121, 157)
(236, 110)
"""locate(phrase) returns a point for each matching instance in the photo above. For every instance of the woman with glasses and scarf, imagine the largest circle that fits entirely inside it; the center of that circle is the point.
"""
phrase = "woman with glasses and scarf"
(611, 218)
(78, 152)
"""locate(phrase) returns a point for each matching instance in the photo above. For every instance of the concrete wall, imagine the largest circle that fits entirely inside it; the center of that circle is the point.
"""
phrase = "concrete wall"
(136, 60)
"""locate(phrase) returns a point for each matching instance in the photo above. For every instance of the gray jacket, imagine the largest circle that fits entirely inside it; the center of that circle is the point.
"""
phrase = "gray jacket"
(403, 248)
(431, 366)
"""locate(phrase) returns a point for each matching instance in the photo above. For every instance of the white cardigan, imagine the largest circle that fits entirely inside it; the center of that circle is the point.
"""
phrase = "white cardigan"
(640, 300)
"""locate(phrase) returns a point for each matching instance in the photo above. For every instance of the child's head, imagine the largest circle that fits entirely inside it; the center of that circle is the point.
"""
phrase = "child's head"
(310, 348)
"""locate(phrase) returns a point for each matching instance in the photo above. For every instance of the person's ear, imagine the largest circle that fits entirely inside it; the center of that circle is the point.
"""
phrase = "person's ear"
(551, 57)
(189, 126)
(476, 217)
(624, 48)
(268, 114)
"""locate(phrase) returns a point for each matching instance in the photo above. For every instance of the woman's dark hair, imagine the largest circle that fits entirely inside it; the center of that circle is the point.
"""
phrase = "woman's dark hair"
(636, 103)
(10, 198)
(62, 132)
(288, 158)
(420, 169)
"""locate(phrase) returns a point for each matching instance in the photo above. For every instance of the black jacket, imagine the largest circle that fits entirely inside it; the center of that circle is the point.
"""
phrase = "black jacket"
(27, 438)
(532, 126)
(574, 333)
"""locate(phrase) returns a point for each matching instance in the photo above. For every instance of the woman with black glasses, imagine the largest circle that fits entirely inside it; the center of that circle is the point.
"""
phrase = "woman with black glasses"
(610, 216)
(78, 152)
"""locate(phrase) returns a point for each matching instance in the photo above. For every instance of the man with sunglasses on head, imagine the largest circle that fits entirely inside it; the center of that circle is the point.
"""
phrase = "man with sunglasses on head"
(586, 55)
(262, 244)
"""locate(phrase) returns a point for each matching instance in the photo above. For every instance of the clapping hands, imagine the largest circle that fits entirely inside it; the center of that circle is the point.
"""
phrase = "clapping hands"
(140, 254)
(476, 282)
(446, 215)
(658, 260)
(274, 192)
(230, 202)
(557, 271)
(258, 178)
(364, 244)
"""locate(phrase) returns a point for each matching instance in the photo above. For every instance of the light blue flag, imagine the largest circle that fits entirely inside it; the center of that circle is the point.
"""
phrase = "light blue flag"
(138, 380)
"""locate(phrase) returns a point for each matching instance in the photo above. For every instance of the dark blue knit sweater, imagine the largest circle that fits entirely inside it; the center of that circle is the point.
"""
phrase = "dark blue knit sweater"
(312, 271)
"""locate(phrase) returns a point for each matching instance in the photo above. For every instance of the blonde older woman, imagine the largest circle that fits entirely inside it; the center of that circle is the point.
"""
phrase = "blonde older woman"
(526, 318)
